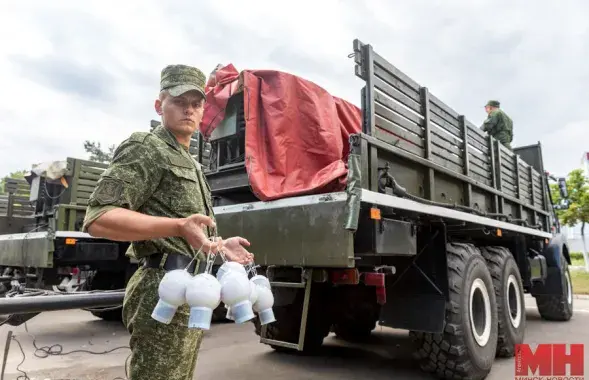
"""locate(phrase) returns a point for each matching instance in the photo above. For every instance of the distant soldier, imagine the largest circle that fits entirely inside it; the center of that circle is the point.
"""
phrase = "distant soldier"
(498, 124)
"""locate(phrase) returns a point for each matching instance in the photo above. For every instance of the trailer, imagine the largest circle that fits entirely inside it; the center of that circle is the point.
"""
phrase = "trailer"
(423, 222)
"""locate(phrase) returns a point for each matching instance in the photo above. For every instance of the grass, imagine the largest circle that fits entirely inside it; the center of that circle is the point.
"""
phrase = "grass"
(580, 278)
(580, 281)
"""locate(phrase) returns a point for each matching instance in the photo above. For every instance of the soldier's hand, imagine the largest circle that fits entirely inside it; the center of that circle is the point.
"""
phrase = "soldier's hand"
(235, 251)
(192, 229)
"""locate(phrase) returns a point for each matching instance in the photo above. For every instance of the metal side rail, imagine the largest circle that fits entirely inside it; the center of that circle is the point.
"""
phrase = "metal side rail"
(306, 281)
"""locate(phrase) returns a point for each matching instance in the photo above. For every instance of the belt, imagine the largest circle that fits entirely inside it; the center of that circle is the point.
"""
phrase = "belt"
(173, 261)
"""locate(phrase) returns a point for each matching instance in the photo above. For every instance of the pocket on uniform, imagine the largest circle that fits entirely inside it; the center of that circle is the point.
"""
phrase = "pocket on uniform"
(184, 173)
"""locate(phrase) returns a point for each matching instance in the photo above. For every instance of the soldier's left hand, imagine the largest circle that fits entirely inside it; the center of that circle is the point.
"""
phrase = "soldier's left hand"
(235, 250)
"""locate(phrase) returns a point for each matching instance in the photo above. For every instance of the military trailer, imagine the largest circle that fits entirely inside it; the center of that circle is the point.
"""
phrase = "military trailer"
(413, 218)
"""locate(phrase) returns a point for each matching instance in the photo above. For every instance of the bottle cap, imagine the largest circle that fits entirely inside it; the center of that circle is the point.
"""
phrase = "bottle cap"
(266, 316)
(242, 311)
(200, 318)
(163, 312)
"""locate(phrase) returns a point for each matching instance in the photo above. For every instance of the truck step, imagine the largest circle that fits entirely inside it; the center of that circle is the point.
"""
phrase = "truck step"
(306, 281)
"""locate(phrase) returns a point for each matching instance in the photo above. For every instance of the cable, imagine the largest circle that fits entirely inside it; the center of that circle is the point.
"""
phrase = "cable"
(57, 350)
(400, 191)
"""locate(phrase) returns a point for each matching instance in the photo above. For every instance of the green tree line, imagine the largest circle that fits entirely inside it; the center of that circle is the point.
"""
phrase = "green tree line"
(577, 212)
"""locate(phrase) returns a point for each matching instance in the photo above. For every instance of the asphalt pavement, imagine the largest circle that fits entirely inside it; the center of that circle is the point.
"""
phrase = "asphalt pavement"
(233, 351)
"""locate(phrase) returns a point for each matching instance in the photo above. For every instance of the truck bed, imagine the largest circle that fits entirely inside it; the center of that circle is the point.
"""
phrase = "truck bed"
(411, 159)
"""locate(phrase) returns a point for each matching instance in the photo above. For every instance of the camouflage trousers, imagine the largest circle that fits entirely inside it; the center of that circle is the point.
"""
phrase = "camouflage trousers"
(158, 351)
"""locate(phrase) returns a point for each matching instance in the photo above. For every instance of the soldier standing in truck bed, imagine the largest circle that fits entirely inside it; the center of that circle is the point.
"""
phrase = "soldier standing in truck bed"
(498, 124)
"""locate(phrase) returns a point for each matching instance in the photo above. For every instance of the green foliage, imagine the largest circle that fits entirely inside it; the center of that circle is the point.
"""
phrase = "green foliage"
(576, 255)
(97, 153)
(578, 197)
(18, 174)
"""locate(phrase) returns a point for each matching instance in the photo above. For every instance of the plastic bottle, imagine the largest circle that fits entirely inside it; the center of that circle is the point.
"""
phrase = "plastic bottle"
(235, 293)
(230, 266)
(263, 305)
(203, 294)
(172, 294)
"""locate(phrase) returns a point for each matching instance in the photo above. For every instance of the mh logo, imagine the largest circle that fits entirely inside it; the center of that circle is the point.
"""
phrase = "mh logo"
(549, 362)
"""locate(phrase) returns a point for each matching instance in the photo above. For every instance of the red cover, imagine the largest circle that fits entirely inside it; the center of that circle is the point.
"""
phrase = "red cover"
(296, 140)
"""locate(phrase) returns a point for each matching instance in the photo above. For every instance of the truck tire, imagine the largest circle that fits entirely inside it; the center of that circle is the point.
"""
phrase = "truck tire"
(356, 312)
(509, 292)
(558, 307)
(288, 319)
(220, 314)
(108, 281)
(458, 352)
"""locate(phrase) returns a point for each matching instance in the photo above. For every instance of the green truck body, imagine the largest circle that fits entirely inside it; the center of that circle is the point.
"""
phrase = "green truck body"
(434, 215)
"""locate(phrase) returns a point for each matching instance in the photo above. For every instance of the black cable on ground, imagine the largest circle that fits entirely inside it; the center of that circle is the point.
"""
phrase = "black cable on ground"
(57, 350)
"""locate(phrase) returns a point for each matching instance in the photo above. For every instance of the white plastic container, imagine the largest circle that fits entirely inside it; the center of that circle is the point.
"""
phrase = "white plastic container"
(230, 266)
(263, 305)
(261, 281)
(172, 293)
(203, 294)
(235, 293)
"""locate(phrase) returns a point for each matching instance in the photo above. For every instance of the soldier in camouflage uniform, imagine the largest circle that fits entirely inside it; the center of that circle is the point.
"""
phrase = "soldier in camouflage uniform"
(155, 196)
(498, 124)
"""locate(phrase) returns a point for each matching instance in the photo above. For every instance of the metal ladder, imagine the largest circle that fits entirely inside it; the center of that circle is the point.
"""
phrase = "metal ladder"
(305, 283)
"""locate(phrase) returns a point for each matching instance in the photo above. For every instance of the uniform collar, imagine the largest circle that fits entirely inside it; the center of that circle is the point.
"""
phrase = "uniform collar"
(164, 134)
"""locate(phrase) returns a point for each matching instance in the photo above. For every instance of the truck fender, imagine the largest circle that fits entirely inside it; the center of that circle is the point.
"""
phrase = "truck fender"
(552, 252)
(553, 284)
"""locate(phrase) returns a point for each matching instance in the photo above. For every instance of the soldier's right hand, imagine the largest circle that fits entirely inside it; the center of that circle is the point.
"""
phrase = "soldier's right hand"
(192, 229)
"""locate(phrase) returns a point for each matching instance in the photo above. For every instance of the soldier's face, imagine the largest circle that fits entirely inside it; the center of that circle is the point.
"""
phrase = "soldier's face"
(487, 109)
(183, 113)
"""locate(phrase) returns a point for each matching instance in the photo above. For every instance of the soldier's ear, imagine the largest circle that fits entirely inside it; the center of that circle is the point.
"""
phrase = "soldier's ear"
(158, 107)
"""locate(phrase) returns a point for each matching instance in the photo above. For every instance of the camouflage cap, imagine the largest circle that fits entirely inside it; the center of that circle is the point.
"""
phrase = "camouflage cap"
(178, 79)
(493, 103)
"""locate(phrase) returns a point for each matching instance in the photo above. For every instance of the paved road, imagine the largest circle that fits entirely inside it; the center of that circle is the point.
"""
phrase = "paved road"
(232, 351)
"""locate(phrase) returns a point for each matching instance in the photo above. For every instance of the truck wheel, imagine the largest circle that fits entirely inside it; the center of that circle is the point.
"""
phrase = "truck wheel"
(288, 316)
(220, 314)
(356, 312)
(558, 307)
(354, 329)
(108, 281)
(466, 348)
(509, 291)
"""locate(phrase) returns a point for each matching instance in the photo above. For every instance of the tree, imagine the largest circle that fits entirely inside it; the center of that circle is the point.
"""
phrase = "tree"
(578, 210)
(96, 152)
(17, 174)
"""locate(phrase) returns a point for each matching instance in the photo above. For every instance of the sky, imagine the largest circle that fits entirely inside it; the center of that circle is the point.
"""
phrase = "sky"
(89, 70)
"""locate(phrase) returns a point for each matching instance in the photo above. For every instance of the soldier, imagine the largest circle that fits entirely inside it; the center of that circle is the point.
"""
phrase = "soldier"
(498, 124)
(155, 196)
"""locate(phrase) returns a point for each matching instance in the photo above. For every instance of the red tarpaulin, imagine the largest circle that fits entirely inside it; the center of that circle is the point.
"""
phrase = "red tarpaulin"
(296, 140)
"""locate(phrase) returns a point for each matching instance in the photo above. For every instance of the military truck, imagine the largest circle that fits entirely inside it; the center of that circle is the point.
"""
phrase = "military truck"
(411, 216)
(41, 243)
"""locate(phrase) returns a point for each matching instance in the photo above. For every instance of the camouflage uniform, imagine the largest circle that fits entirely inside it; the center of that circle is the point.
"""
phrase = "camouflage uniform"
(499, 125)
(153, 174)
